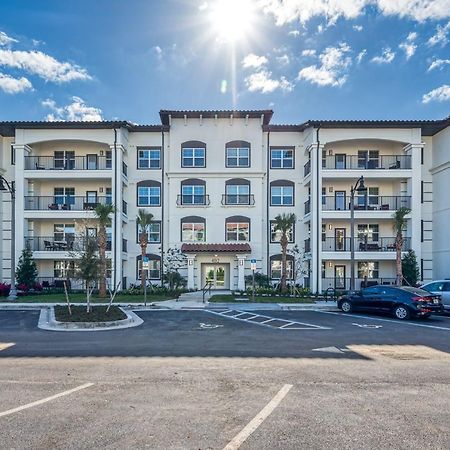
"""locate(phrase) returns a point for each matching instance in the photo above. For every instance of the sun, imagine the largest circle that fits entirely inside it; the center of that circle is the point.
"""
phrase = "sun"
(232, 20)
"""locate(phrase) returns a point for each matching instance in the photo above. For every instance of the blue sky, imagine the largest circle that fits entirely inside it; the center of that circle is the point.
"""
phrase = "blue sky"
(305, 59)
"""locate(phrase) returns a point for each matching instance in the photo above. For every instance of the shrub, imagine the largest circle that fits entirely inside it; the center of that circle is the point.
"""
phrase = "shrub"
(4, 289)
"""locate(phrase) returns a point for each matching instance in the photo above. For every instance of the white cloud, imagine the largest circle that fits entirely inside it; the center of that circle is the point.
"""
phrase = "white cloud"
(203, 6)
(294, 33)
(75, 111)
(254, 61)
(283, 60)
(12, 85)
(287, 11)
(5, 39)
(408, 46)
(263, 82)
(333, 68)
(440, 36)
(361, 55)
(438, 64)
(358, 27)
(386, 57)
(309, 52)
(440, 94)
(45, 66)
(158, 51)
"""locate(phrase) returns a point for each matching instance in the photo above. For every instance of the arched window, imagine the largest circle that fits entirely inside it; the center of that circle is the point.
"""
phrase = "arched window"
(148, 193)
(193, 229)
(282, 193)
(193, 192)
(237, 154)
(152, 267)
(193, 154)
(275, 267)
(237, 192)
(237, 228)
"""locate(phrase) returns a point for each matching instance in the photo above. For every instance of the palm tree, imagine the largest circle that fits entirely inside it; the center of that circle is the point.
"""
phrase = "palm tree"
(399, 226)
(144, 219)
(103, 215)
(284, 223)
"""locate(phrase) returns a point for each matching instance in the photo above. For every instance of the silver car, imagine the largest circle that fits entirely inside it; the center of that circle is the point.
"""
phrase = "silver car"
(442, 288)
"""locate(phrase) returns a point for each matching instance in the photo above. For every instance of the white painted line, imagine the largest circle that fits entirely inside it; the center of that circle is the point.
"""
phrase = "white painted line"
(5, 345)
(45, 400)
(270, 320)
(287, 324)
(253, 425)
(241, 314)
(397, 322)
(250, 318)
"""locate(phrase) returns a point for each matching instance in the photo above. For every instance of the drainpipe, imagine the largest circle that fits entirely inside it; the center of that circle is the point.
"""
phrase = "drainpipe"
(114, 274)
(318, 205)
(267, 204)
(162, 205)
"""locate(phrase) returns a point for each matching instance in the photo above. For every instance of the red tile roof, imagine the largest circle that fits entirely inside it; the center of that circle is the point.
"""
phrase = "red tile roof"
(216, 248)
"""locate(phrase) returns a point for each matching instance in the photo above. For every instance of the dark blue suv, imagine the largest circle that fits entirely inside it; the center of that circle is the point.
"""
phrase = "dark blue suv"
(402, 302)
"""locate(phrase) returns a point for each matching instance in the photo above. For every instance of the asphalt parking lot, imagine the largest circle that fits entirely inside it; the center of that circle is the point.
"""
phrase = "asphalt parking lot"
(227, 379)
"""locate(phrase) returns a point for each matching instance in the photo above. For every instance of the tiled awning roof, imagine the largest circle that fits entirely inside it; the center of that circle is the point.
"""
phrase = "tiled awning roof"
(216, 248)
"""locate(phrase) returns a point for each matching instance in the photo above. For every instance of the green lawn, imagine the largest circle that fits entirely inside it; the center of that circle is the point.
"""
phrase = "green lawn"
(259, 299)
(81, 298)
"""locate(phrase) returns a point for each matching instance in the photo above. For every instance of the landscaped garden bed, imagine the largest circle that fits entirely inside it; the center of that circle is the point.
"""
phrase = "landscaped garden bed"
(97, 314)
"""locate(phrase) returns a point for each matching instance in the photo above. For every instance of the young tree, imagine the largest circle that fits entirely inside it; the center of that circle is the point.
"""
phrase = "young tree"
(103, 215)
(173, 261)
(284, 224)
(410, 268)
(87, 267)
(144, 219)
(26, 272)
(399, 226)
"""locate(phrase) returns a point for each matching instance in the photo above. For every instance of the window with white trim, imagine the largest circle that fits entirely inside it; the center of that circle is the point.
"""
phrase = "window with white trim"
(193, 194)
(275, 234)
(281, 158)
(193, 232)
(275, 269)
(282, 195)
(149, 158)
(368, 269)
(149, 196)
(238, 157)
(193, 157)
(237, 231)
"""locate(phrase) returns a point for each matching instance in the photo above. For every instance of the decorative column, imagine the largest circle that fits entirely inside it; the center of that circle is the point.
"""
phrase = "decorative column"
(190, 267)
(241, 272)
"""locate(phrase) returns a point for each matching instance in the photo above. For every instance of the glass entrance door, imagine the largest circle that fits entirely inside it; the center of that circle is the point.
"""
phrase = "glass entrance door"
(216, 275)
(339, 277)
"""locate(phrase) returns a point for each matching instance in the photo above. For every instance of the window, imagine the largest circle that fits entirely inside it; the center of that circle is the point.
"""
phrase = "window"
(108, 161)
(324, 196)
(193, 195)
(193, 154)
(324, 232)
(153, 232)
(108, 196)
(368, 159)
(238, 154)
(275, 267)
(237, 228)
(282, 193)
(368, 231)
(193, 232)
(64, 160)
(149, 158)
(64, 196)
(151, 266)
(281, 158)
(368, 269)
(62, 232)
(275, 235)
(149, 193)
(438, 286)
(63, 269)
(371, 197)
(237, 194)
(13, 155)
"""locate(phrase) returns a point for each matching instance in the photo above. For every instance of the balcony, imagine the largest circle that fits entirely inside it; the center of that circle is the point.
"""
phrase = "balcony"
(68, 243)
(93, 162)
(307, 168)
(384, 244)
(124, 245)
(124, 170)
(374, 203)
(63, 203)
(354, 162)
(238, 199)
(193, 200)
(307, 245)
(307, 207)
(124, 208)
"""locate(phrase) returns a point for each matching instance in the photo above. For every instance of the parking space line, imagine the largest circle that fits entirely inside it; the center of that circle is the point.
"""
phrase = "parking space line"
(398, 322)
(266, 321)
(45, 400)
(5, 345)
(253, 425)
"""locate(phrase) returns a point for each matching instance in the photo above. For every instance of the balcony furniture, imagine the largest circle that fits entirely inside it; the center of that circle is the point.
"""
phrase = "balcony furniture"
(60, 245)
(385, 207)
(90, 206)
(65, 206)
(39, 167)
(395, 165)
(369, 247)
(390, 247)
(368, 283)
(372, 164)
(53, 206)
(48, 245)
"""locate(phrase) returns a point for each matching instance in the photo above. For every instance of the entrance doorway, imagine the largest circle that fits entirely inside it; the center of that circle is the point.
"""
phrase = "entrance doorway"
(217, 275)
(339, 277)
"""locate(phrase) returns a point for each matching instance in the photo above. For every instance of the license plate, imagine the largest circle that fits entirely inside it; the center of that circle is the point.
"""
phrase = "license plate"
(435, 300)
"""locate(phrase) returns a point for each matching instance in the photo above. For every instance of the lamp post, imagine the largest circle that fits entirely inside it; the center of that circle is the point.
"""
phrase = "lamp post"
(5, 186)
(360, 188)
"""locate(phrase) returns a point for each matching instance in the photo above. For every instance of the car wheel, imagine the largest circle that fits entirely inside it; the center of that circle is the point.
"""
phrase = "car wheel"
(346, 306)
(401, 312)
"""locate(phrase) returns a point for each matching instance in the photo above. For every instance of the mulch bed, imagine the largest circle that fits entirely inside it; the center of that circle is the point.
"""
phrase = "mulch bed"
(97, 314)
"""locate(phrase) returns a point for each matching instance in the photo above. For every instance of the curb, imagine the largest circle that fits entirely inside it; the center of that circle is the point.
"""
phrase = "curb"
(33, 306)
(48, 322)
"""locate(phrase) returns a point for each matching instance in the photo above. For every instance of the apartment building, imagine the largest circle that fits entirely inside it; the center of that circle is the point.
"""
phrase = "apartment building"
(214, 182)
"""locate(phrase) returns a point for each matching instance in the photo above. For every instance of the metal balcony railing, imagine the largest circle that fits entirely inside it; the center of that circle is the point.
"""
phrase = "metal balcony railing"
(344, 283)
(124, 245)
(94, 162)
(373, 203)
(307, 207)
(124, 169)
(307, 245)
(124, 207)
(388, 162)
(67, 243)
(238, 199)
(192, 200)
(62, 203)
(384, 244)
(307, 168)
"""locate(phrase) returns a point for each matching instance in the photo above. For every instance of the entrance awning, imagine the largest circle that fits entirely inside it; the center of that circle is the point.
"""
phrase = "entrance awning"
(216, 248)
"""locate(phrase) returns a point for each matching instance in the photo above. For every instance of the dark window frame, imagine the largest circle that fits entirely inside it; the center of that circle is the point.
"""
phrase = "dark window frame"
(282, 183)
(147, 148)
(152, 257)
(282, 148)
(150, 242)
(238, 145)
(193, 145)
(150, 184)
(291, 241)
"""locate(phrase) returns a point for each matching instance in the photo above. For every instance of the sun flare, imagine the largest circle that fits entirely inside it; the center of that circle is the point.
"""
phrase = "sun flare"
(232, 20)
